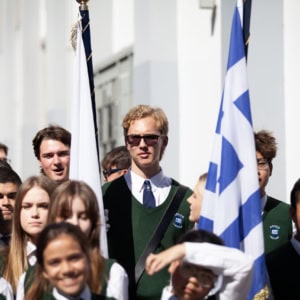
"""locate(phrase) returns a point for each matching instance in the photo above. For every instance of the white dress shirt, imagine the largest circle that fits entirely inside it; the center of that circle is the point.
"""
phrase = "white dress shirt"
(31, 253)
(31, 258)
(6, 290)
(295, 244)
(263, 200)
(160, 185)
(117, 285)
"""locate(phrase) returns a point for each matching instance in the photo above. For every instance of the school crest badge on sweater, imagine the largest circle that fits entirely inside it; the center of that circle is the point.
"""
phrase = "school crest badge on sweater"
(274, 232)
(178, 220)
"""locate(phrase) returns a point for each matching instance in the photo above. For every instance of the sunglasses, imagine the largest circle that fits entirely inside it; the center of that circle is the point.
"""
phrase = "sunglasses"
(263, 164)
(149, 139)
(205, 277)
(12, 195)
(107, 173)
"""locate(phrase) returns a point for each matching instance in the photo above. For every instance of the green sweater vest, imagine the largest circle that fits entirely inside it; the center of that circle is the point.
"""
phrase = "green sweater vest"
(132, 225)
(277, 224)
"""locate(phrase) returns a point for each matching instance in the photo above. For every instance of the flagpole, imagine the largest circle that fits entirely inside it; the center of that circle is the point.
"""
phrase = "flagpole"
(246, 24)
(86, 36)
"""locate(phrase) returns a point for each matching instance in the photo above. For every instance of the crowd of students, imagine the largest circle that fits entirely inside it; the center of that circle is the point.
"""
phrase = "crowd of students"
(49, 225)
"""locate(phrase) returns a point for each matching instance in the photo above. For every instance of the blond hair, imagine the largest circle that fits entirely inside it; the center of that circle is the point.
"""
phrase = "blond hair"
(16, 263)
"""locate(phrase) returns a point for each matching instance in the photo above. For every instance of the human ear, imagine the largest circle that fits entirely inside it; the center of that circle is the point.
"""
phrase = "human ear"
(165, 141)
(270, 168)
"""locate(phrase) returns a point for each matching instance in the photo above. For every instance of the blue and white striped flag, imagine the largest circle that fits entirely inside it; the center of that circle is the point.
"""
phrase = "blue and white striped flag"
(232, 205)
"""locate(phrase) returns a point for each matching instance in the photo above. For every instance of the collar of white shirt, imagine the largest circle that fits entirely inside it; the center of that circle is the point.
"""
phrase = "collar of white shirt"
(263, 200)
(167, 293)
(31, 253)
(160, 185)
(295, 244)
(85, 295)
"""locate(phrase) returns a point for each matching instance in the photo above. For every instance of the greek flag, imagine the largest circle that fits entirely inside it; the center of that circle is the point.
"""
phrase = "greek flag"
(232, 205)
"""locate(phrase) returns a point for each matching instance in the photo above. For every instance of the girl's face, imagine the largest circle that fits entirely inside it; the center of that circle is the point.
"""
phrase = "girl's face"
(195, 201)
(66, 265)
(78, 216)
(34, 211)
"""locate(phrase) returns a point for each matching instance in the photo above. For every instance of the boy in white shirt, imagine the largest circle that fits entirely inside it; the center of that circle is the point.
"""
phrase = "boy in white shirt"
(201, 266)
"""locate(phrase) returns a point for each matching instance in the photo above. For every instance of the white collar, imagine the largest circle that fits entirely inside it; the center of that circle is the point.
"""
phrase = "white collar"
(159, 180)
(31, 255)
(263, 201)
(84, 295)
(296, 245)
(160, 185)
(30, 248)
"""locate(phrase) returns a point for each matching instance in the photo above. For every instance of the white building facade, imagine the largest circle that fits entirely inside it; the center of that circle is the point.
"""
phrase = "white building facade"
(170, 53)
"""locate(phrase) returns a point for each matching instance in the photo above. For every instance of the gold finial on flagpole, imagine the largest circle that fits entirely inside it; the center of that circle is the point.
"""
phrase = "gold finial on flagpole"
(83, 4)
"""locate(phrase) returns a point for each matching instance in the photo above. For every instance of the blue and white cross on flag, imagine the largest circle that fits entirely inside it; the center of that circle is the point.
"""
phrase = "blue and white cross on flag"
(232, 207)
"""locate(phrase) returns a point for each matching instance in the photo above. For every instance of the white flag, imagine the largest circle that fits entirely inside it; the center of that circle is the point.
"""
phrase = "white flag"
(84, 163)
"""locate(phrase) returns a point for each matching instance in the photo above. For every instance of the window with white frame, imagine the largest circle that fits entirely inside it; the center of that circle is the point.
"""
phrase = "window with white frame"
(113, 93)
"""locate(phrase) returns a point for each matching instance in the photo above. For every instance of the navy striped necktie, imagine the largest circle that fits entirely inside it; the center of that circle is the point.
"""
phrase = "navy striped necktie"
(148, 197)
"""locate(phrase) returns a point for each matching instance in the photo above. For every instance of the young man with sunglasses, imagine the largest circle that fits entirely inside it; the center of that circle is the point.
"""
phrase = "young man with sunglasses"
(137, 201)
(115, 163)
(277, 223)
(9, 185)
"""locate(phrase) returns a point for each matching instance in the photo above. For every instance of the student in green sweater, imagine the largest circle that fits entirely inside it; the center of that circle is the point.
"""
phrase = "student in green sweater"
(30, 217)
(137, 201)
(63, 265)
(283, 264)
(75, 202)
(9, 185)
(277, 222)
